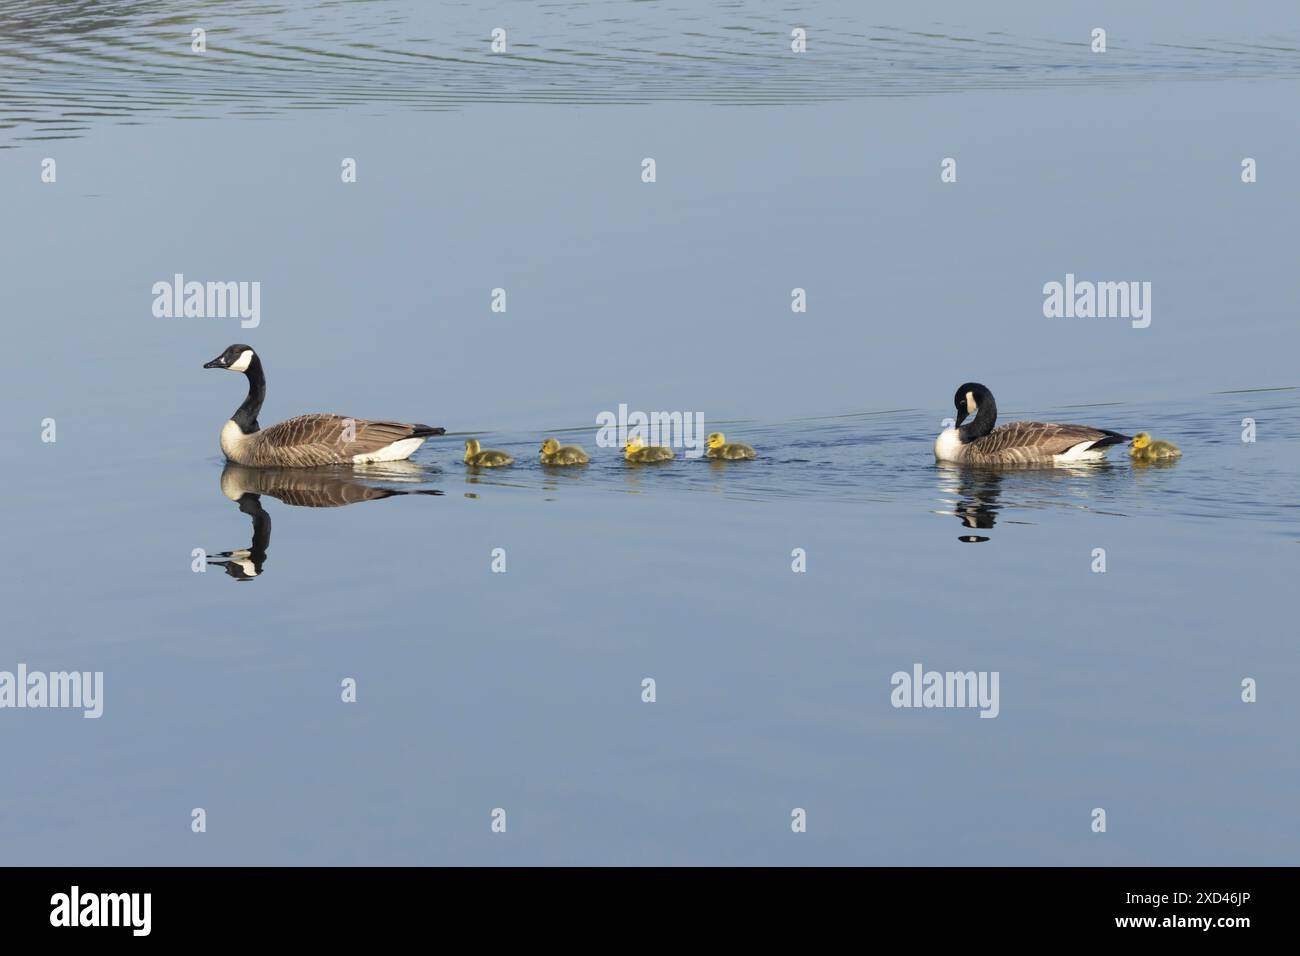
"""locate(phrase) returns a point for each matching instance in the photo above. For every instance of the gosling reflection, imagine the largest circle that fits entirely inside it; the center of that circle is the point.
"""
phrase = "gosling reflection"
(302, 488)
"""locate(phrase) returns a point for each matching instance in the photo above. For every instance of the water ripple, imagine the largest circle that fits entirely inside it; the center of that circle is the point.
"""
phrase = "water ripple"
(886, 456)
(73, 64)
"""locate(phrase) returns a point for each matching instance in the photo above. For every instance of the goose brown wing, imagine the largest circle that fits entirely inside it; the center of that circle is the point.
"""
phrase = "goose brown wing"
(1043, 438)
(321, 439)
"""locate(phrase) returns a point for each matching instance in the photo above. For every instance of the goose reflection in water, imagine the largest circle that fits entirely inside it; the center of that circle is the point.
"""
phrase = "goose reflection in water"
(977, 492)
(975, 495)
(303, 488)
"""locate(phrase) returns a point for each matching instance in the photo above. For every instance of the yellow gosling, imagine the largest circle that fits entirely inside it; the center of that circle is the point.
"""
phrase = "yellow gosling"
(638, 452)
(719, 447)
(1144, 448)
(553, 453)
(477, 457)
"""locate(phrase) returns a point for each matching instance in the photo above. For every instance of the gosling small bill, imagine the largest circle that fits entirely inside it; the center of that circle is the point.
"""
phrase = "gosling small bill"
(477, 457)
(638, 452)
(1145, 448)
(720, 448)
(555, 454)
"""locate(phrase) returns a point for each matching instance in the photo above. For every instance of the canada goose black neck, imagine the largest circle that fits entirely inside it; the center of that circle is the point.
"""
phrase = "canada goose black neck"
(986, 411)
(251, 505)
(246, 415)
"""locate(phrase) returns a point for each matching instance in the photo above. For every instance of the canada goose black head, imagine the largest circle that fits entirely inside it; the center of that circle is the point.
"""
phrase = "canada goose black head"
(237, 358)
(974, 399)
(242, 358)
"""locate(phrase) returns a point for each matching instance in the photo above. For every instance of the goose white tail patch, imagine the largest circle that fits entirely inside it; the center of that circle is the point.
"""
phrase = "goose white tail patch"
(397, 451)
(1081, 452)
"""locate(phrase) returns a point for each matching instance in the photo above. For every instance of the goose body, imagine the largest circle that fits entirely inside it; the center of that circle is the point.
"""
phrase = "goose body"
(639, 453)
(477, 457)
(1015, 443)
(720, 448)
(1145, 448)
(306, 441)
(555, 454)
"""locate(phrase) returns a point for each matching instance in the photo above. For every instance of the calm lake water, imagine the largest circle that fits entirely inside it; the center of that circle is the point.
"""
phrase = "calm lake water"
(523, 690)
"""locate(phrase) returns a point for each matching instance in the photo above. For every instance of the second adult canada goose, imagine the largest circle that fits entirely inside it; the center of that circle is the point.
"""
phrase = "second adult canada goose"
(308, 440)
(1016, 443)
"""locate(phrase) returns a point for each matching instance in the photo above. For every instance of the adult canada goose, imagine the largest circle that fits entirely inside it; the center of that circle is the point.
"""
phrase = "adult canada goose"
(308, 440)
(719, 447)
(1145, 448)
(479, 457)
(639, 453)
(553, 453)
(1016, 443)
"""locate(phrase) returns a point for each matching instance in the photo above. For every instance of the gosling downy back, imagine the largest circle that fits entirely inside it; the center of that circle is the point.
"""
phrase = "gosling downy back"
(478, 457)
(720, 448)
(1016, 443)
(1145, 448)
(553, 453)
(308, 440)
(638, 452)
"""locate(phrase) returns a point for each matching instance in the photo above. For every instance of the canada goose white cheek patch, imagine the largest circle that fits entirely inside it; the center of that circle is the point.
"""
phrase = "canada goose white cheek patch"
(241, 364)
(971, 408)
